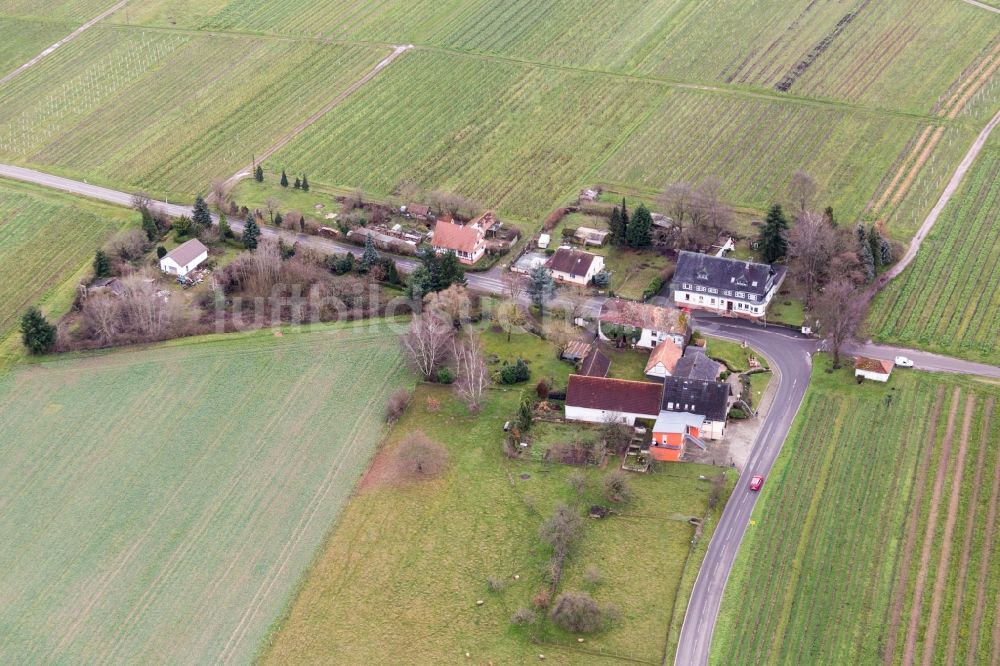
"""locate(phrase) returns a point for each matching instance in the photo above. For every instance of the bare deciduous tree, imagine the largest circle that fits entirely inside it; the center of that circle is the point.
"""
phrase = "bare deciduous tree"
(699, 212)
(472, 374)
(270, 206)
(801, 192)
(220, 191)
(560, 334)
(141, 200)
(102, 318)
(427, 343)
(812, 244)
(840, 309)
(575, 296)
(452, 304)
(514, 285)
(420, 457)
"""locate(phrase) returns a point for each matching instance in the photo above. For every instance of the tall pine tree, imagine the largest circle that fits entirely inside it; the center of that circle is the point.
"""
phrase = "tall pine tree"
(224, 230)
(251, 233)
(867, 261)
(201, 216)
(38, 335)
(616, 227)
(773, 240)
(258, 174)
(102, 265)
(370, 256)
(149, 225)
(305, 183)
(298, 184)
(625, 222)
(284, 178)
(875, 244)
(639, 232)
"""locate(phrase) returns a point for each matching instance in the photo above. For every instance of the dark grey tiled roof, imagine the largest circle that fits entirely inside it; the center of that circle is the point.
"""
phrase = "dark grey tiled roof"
(696, 365)
(705, 270)
(696, 396)
(595, 364)
(573, 262)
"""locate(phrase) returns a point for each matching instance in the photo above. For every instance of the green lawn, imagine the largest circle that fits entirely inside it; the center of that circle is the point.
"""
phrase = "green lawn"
(733, 354)
(162, 504)
(875, 535)
(47, 242)
(947, 300)
(409, 563)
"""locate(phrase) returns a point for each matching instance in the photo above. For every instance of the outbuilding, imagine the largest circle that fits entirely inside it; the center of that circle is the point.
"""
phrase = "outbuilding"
(575, 267)
(872, 368)
(184, 258)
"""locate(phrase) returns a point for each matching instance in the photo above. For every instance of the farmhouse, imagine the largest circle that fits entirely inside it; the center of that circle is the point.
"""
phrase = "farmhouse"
(672, 432)
(595, 364)
(574, 266)
(599, 400)
(644, 323)
(695, 364)
(871, 368)
(467, 241)
(184, 258)
(663, 359)
(710, 400)
(725, 286)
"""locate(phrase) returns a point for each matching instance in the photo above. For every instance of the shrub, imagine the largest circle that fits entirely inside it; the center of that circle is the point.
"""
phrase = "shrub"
(516, 373)
(523, 616)
(592, 576)
(737, 413)
(161, 252)
(653, 289)
(542, 389)
(495, 583)
(577, 481)
(616, 486)
(445, 376)
(398, 401)
(420, 457)
(602, 279)
(561, 529)
(577, 612)
(542, 599)
(433, 406)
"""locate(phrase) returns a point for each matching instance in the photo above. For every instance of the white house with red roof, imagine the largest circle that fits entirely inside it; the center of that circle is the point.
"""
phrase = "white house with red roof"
(467, 241)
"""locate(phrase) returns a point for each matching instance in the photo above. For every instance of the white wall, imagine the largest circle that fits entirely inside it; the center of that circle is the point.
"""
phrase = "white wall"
(168, 265)
(868, 374)
(703, 301)
(712, 430)
(602, 416)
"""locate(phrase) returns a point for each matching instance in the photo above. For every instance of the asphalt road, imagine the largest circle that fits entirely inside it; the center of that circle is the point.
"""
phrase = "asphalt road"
(789, 355)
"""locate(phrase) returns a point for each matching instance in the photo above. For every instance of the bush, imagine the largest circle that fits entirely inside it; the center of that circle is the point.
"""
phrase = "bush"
(398, 401)
(616, 486)
(577, 481)
(523, 616)
(577, 612)
(495, 583)
(592, 576)
(542, 389)
(737, 414)
(516, 373)
(542, 599)
(602, 279)
(445, 376)
(420, 457)
(653, 289)
(561, 529)
(161, 252)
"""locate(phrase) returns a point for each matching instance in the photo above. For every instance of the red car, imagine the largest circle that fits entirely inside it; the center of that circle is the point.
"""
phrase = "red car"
(756, 482)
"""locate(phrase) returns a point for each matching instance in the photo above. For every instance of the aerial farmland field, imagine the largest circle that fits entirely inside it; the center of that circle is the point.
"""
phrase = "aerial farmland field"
(24, 40)
(874, 540)
(160, 504)
(168, 112)
(947, 301)
(74, 10)
(45, 239)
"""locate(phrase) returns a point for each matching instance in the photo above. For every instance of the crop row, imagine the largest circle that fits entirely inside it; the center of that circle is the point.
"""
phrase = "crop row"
(41, 245)
(754, 146)
(166, 112)
(948, 300)
(79, 10)
(515, 137)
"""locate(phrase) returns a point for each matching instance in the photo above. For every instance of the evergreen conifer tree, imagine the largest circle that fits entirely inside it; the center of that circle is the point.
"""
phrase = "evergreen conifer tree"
(149, 226)
(258, 174)
(616, 227)
(640, 229)
(867, 262)
(305, 183)
(251, 233)
(875, 244)
(278, 219)
(224, 230)
(298, 184)
(201, 215)
(102, 265)
(38, 335)
(773, 240)
(284, 178)
(370, 256)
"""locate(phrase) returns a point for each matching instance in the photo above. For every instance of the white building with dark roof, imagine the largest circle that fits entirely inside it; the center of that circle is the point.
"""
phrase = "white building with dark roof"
(733, 287)
(184, 258)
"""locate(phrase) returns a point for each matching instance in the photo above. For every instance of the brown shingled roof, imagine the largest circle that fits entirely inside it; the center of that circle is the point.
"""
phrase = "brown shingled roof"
(595, 364)
(568, 260)
(614, 395)
(872, 365)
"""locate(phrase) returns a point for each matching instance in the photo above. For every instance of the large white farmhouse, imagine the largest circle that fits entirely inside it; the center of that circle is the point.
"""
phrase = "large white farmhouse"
(184, 258)
(725, 286)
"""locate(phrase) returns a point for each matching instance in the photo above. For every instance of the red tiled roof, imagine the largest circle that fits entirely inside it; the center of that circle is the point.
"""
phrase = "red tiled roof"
(642, 315)
(485, 221)
(666, 353)
(451, 236)
(873, 365)
(614, 395)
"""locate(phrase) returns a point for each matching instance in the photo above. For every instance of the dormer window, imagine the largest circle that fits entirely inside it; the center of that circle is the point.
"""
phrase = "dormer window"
(741, 282)
(702, 274)
(753, 284)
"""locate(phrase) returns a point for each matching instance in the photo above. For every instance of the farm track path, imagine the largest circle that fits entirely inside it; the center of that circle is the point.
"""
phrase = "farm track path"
(65, 40)
(983, 5)
(949, 191)
(329, 106)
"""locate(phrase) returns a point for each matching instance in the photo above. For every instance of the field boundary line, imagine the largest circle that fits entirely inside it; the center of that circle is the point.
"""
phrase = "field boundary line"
(930, 529)
(983, 5)
(329, 106)
(65, 40)
(944, 559)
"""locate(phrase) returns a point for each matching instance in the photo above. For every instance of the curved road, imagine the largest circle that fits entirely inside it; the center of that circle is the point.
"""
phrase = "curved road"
(789, 355)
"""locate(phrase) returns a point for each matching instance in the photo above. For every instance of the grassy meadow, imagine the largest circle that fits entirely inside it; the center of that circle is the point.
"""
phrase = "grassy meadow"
(46, 240)
(79, 11)
(408, 562)
(167, 112)
(161, 504)
(947, 300)
(874, 538)
(23, 40)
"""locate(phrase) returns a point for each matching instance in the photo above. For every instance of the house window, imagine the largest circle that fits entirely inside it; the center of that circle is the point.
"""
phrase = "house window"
(712, 300)
(687, 297)
(741, 294)
(699, 289)
(686, 285)
(727, 292)
(753, 297)
(713, 290)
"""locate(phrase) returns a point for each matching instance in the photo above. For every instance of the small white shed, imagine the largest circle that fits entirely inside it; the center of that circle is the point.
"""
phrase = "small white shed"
(871, 368)
(544, 240)
(184, 258)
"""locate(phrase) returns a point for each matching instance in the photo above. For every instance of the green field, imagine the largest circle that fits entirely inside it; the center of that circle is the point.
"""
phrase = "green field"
(947, 300)
(160, 505)
(23, 40)
(167, 111)
(407, 563)
(79, 11)
(874, 60)
(45, 239)
(875, 536)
